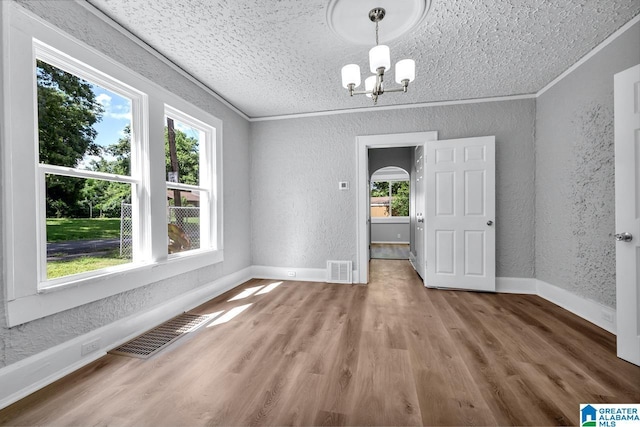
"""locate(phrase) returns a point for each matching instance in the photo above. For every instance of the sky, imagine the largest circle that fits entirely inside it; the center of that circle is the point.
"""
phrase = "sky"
(117, 114)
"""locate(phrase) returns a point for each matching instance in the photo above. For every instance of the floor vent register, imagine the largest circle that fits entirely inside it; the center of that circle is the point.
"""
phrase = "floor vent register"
(153, 341)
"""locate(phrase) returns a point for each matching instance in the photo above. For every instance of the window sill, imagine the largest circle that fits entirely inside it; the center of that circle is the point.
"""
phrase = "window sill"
(74, 293)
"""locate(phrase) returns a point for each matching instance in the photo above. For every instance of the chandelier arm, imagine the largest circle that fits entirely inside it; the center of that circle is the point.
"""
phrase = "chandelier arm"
(396, 89)
(405, 85)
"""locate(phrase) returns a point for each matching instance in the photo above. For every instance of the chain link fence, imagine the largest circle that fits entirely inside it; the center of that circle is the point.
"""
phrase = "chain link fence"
(187, 218)
(126, 230)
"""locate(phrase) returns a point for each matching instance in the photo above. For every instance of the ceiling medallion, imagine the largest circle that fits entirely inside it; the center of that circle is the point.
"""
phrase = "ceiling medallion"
(348, 18)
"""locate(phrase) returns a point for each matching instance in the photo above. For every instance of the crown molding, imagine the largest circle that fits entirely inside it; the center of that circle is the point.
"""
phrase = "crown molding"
(396, 107)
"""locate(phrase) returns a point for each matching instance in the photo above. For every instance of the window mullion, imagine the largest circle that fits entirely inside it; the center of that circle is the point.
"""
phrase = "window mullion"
(389, 183)
(157, 189)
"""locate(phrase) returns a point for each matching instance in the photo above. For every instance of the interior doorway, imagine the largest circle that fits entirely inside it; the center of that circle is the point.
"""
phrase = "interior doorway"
(458, 228)
(363, 208)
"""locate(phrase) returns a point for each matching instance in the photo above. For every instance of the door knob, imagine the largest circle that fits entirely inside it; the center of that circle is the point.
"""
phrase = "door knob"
(624, 237)
(489, 223)
(420, 218)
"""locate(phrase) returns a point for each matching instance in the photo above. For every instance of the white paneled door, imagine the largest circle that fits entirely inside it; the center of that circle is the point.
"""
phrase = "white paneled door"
(627, 164)
(460, 213)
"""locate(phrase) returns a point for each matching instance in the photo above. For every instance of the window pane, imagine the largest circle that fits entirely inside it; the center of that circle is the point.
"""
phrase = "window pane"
(400, 198)
(80, 124)
(182, 152)
(85, 233)
(183, 217)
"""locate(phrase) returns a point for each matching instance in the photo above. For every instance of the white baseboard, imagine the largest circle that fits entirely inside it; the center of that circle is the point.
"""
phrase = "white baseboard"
(282, 273)
(395, 242)
(301, 274)
(33, 373)
(516, 285)
(592, 311)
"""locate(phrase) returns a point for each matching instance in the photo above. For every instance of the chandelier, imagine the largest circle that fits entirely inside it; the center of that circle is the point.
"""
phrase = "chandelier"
(379, 62)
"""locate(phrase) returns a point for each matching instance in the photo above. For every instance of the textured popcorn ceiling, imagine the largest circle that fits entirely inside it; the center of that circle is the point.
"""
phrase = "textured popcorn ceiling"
(280, 57)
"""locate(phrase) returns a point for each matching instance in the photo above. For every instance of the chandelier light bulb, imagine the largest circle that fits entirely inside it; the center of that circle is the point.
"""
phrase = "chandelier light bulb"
(350, 75)
(379, 56)
(369, 84)
(405, 70)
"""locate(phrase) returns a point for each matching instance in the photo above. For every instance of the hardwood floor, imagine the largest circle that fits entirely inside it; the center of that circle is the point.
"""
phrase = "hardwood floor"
(390, 353)
(389, 251)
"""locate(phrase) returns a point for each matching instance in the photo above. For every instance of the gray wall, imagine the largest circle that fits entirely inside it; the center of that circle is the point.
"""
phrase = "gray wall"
(575, 219)
(25, 340)
(301, 219)
(389, 231)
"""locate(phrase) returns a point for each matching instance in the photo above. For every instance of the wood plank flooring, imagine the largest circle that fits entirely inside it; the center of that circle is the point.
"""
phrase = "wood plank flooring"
(390, 353)
(389, 251)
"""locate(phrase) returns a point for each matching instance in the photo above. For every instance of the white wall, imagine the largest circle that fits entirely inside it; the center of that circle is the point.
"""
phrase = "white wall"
(25, 340)
(575, 223)
(300, 218)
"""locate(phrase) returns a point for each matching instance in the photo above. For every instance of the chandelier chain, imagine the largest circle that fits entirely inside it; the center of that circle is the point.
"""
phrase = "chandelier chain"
(376, 33)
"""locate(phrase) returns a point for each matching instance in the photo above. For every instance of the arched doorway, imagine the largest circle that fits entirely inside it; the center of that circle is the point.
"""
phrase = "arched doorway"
(389, 198)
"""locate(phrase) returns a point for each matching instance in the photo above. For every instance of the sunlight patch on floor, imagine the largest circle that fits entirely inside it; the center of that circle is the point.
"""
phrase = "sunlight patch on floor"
(246, 293)
(229, 315)
(269, 288)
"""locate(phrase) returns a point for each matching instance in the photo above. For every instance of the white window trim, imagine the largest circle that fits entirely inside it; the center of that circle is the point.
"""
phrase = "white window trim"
(139, 169)
(25, 301)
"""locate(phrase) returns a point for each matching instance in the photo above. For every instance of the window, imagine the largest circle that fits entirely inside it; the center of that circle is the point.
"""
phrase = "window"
(389, 194)
(84, 167)
(189, 196)
(81, 161)
(389, 198)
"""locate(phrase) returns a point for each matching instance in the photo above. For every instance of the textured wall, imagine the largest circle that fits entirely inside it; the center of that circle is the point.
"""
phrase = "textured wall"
(575, 218)
(25, 340)
(301, 219)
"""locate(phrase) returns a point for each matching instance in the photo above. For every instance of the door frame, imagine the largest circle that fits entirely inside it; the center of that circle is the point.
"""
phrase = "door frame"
(627, 310)
(363, 144)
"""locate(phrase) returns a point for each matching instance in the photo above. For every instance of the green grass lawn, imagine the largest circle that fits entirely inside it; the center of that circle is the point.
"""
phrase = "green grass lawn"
(61, 229)
(80, 265)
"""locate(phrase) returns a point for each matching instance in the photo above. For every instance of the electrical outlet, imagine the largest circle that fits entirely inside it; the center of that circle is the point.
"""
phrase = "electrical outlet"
(291, 273)
(607, 316)
(399, 236)
(90, 347)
